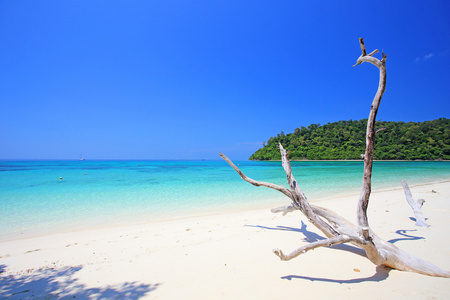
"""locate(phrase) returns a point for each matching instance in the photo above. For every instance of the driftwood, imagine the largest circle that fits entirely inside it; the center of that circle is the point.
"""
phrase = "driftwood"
(416, 206)
(337, 229)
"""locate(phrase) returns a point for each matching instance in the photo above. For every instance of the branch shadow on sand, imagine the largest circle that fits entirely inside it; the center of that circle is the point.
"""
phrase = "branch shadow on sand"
(407, 237)
(313, 237)
(60, 283)
(381, 274)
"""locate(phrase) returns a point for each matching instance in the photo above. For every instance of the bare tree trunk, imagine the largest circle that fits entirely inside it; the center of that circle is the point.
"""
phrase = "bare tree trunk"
(337, 229)
(370, 134)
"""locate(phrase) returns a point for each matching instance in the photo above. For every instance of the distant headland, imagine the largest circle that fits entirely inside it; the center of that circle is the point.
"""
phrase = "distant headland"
(345, 140)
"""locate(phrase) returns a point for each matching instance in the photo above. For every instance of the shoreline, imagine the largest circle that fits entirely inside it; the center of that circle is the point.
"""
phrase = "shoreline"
(36, 202)
(247, 208)
(193, 257)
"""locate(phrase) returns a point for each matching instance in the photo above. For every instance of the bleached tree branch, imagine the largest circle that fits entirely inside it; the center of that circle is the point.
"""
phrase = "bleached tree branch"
(254, 182)
(340, 239)
(416, 206)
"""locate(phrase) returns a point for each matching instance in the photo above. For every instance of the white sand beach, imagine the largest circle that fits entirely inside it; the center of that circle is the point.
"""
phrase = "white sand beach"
(229, 256)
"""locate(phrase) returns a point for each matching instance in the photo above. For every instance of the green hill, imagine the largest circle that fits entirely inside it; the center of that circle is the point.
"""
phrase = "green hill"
(427, 140)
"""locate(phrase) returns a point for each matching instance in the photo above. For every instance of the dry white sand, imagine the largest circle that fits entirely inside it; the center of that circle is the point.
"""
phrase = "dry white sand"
(229, 256)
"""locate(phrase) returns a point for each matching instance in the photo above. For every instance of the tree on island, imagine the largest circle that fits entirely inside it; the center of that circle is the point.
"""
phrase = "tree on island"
(337, 229)
(428, 140)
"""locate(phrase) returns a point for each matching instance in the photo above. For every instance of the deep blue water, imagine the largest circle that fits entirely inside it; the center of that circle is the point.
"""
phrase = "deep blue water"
(34, 200)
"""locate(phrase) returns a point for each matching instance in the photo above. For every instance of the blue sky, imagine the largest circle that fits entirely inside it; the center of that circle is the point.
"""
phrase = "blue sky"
(190, 79)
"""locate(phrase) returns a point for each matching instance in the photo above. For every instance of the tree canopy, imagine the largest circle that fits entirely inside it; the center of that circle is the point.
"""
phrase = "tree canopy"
(429, 140)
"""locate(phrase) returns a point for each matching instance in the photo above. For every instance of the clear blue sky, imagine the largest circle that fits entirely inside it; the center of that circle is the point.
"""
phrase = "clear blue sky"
(190, 79)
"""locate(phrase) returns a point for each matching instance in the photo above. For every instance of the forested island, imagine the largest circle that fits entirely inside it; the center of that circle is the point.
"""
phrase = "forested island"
(345, 140)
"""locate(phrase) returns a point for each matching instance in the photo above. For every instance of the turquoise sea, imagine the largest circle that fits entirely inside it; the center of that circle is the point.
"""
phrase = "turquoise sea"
(35, 201)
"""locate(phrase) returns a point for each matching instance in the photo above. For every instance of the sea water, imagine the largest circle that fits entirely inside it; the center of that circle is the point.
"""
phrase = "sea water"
(43, 197)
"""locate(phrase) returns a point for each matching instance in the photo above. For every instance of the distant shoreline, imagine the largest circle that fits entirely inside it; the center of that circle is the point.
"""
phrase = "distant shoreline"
(362, 160)
(162, 160)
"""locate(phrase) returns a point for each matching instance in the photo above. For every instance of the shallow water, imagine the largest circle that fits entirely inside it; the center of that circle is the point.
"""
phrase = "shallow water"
(34, 200)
